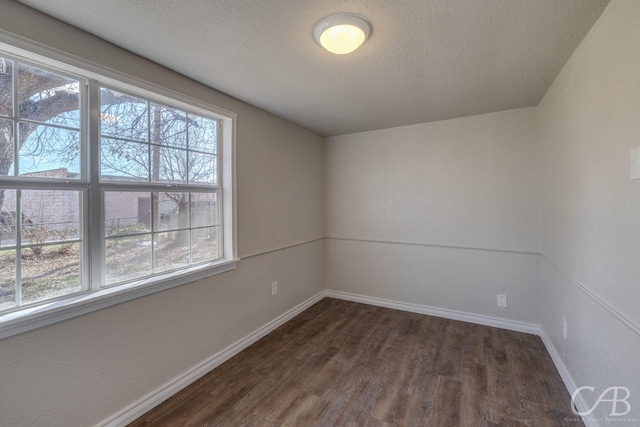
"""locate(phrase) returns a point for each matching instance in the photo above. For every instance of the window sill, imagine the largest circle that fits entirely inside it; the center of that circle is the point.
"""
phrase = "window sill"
(29, 318)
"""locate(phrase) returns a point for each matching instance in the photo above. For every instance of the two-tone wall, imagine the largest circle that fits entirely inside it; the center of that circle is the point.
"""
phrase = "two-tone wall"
(588, 122)
(442, 214)
(534, 203)
(92, 368)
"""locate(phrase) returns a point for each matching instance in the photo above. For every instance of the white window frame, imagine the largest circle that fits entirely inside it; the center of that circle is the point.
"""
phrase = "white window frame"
(88, 300)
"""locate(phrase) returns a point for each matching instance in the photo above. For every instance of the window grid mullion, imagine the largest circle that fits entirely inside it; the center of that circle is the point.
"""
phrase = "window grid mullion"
(51, 125)
(189, 220)
(84, 197)
(94, 206)
(152, 173)
(18, 220)
(141, 186)
(149, 140)
(16, 171)
(188, 180)
(16, 113)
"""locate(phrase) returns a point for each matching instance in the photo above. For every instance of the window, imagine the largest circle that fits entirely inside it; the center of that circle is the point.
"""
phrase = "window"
(147, 147)
(105, 187)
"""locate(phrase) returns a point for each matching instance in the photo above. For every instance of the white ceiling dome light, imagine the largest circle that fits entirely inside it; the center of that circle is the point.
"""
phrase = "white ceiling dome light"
(341, 33)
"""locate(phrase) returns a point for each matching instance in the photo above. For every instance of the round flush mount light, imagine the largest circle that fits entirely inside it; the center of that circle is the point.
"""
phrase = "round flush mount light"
(341, 33)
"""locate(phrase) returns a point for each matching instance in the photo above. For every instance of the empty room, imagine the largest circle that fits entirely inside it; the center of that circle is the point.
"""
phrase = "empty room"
(320, 213)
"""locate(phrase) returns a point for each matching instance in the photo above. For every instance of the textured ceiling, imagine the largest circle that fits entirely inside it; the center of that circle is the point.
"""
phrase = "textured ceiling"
(426, 60)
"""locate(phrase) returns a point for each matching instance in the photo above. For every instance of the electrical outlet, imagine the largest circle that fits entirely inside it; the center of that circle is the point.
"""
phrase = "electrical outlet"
(274, 288)
(502, 301)
(564, 327)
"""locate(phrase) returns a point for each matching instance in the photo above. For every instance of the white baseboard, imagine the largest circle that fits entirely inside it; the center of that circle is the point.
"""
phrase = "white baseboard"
(569, 383)
(155, 398)
(529, 328)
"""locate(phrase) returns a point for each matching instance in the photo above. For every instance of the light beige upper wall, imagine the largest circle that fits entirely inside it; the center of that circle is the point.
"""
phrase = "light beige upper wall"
(279, 164)
(470, 182)
(588, 123)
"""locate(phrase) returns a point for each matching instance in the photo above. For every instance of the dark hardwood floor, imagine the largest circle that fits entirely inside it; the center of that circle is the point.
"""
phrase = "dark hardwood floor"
(346, 364)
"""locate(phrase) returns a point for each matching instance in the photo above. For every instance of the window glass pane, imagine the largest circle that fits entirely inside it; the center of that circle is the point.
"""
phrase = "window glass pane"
(127, 258)
(6, 148)
(8, 217)
(123, 116)
(49, 151)
(6, 87)
(205, 244)
(170, 250)
(168, 126)
(202, 169)
(126, 212)
(171, 211)
(204, 209)
(124, 161)
(7, 279)
(144, 147)
(168, 165)
(203, 134)
(50, 271)
(47, 97)
(50, 216)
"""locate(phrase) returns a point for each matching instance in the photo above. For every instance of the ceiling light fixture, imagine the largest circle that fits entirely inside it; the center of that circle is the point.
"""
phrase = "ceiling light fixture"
(341, 33)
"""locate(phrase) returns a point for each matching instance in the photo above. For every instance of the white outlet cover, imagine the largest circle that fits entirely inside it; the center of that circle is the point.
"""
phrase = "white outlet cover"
(635, 163)
(502, 301)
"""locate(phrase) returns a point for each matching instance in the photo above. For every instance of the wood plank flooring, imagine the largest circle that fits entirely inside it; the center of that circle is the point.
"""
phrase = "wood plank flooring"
(346, 364)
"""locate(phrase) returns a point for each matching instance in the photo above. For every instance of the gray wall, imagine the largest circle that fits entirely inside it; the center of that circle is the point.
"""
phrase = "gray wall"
(590, 209)
(443, 214)
(535, 203)
(85, 370)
